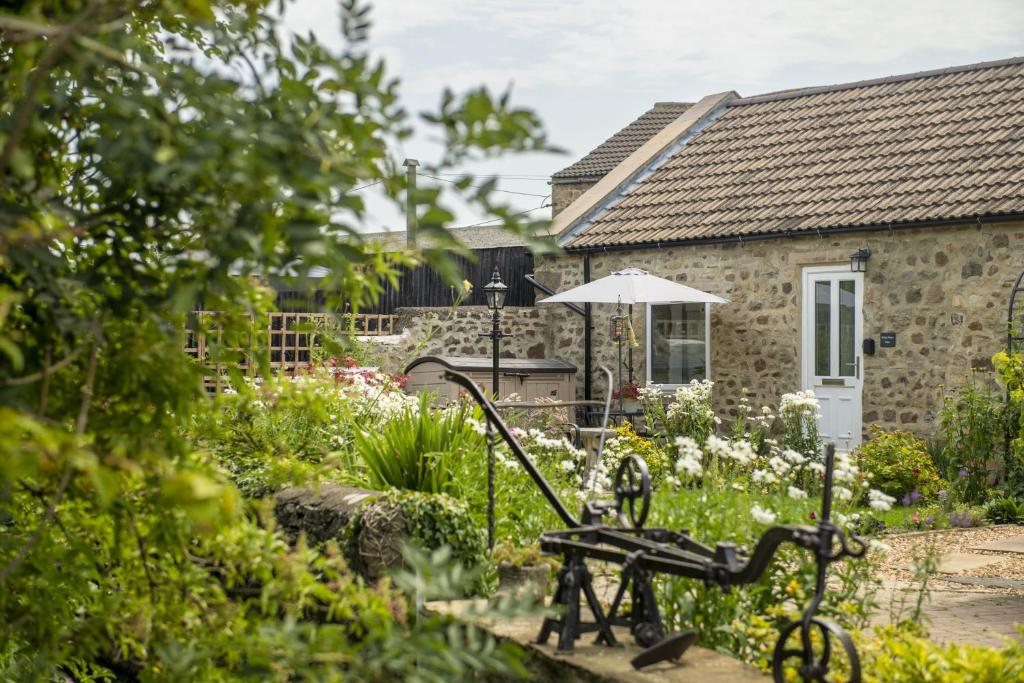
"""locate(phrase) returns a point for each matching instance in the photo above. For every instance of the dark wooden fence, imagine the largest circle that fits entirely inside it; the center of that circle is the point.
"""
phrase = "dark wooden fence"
(422, 286)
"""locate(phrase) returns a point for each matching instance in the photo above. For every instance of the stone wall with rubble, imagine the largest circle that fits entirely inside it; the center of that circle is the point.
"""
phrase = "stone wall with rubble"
(428, 331)
(942, 290)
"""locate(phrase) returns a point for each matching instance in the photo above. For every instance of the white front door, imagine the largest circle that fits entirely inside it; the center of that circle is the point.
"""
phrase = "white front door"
(832, 330)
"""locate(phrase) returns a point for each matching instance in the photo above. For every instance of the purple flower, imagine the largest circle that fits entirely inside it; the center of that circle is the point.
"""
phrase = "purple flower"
(914, 496)
(962, 473)
(943, 495)
(906, 501)
(929, 520)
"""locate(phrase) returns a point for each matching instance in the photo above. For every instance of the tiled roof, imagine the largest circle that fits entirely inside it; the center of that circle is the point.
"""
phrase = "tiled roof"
(612, 151)
(940, 145)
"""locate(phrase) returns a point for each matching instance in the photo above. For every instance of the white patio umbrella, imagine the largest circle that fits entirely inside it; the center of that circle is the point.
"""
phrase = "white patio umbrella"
(630, 286)
(634, 286)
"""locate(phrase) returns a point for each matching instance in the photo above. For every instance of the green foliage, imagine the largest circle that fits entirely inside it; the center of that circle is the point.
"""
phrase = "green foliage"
(1004, 511)
(902, 655)
(153, 156)
(432, 522)
(627, 442)
(420, 449)
(687, 414)
(972, 425)
(899, 464)
(1010, 371)
(745, 621)
(799, 414)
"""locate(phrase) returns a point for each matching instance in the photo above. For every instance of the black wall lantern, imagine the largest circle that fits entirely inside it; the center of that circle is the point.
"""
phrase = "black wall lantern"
(859, 260)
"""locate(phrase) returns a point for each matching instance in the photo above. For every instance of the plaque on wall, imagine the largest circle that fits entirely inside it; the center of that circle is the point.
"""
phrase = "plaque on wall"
(887, 339)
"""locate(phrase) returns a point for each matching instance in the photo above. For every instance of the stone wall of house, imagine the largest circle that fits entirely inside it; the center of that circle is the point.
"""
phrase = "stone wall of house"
(564, 194)
(427, 331)
(942, 290)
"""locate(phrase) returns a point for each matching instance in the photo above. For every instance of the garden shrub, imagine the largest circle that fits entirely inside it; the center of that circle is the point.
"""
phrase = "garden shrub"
(1004, 511)
(891, 654)
(289, 430)
(1010, 371)
(973, 428)
(627, 442)
(898, 464)
(376, 534)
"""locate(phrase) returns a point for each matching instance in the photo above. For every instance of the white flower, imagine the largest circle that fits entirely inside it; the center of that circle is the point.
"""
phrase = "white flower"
(817, 467)
(842, 493)
(763, 476)
(879, 546)
(568, 465)
(794, 457)
(879, 501)
(796, 493)
(761, 515)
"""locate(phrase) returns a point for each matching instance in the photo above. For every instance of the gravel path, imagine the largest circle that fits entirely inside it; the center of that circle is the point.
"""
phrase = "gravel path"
(895, 564)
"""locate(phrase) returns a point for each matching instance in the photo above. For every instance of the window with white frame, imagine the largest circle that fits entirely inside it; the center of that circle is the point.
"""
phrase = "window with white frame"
(678, 348)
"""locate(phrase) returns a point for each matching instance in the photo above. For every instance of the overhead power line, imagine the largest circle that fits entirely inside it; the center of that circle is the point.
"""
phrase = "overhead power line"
(494, 220)
(455, 182)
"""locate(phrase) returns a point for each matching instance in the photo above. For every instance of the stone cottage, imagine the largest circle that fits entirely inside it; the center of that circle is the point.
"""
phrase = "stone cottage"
(867, 235)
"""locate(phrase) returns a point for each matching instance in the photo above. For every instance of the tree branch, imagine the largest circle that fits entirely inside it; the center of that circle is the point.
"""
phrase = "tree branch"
(47, 370)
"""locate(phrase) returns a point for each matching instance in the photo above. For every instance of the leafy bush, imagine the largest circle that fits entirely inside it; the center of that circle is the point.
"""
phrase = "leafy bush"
(426, 520)
(972, 425)
(1004, 511)
(627, 442)
(420, 448)
(288, 430)
(893, 654)
(1010, 370)
(899, 464)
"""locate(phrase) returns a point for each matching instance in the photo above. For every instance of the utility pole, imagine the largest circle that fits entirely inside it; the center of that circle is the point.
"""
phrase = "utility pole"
(410, 201)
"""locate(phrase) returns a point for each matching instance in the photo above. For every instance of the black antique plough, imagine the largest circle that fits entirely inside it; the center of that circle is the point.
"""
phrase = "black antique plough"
(643, 553)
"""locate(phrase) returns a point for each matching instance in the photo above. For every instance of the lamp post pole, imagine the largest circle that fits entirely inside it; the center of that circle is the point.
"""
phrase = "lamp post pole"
(495, 291)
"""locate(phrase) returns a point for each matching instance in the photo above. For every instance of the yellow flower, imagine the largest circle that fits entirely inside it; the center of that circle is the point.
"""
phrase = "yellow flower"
(467, 286)
(792, 588)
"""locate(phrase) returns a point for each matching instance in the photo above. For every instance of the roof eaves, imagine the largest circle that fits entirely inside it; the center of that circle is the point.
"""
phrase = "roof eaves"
(578, 215)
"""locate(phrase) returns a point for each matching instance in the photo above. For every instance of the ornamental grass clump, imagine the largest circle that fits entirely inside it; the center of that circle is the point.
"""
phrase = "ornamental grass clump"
(420, 448)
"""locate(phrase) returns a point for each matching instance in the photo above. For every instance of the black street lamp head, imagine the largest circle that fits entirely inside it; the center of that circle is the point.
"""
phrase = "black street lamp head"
(859, 260)
(495, 290)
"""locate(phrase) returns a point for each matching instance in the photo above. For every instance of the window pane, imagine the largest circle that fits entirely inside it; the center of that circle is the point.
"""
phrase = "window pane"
(678, 343)
(822, 328)
(847, 328)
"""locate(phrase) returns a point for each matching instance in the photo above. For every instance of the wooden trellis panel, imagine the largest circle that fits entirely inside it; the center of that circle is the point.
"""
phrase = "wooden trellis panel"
(289, 338)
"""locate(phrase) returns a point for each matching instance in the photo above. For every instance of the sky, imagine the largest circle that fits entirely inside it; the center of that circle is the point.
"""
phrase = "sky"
(589, 67)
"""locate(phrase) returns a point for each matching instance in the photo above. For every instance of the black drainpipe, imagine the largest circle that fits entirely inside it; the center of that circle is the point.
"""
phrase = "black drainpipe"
(587, 361)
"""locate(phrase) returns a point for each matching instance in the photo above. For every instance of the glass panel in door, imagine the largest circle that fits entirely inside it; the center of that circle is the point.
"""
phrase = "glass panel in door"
(823, 328)
(847, 328)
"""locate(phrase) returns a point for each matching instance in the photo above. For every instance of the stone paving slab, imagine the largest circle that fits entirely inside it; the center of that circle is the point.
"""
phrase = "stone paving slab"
(963, 616)
(589, 662)
(954, 563)
(1006, 545)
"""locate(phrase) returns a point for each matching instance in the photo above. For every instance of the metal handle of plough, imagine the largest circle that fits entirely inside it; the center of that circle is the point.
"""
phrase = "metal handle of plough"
(604, 428)
(517, 450)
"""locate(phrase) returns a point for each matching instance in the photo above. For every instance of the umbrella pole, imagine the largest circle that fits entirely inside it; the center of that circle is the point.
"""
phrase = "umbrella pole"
(621, 329)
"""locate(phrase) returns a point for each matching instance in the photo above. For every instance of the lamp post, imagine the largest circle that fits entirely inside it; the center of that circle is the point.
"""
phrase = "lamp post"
(495, 291)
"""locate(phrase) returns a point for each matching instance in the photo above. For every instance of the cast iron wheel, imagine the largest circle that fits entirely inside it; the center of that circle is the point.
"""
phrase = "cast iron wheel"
(632, 483)
(814, 666)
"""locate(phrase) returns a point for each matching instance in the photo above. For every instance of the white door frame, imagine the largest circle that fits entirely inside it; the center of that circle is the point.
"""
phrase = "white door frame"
(835, 381)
